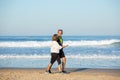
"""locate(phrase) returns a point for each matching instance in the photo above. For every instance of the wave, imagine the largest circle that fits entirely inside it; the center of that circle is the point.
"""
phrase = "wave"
(92, 43)
(48, 43)
(26, 44)
(68, 56)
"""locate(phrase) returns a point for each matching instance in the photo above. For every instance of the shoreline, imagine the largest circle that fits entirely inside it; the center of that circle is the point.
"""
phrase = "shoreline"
(74, 74)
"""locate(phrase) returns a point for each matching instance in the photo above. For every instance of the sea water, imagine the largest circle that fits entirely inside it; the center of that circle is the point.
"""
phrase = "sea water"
(83, 51)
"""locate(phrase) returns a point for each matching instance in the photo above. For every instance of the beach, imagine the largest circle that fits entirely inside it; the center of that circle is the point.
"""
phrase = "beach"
(83, 51)
(34, 35)
(74, 74)
(88, 58)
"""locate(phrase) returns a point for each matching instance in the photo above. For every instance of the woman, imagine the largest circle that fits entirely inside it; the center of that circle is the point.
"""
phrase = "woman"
(55, 47)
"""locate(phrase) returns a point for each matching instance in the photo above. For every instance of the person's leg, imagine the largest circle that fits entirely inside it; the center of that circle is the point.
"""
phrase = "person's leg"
(53, 59)
(63, 63)
(62, 55)
(59, 68)
(49, 67)
(59, 63)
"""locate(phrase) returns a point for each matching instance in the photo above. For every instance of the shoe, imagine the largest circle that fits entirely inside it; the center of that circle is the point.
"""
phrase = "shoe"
(48, 72)
(61, 72)
(64, 71)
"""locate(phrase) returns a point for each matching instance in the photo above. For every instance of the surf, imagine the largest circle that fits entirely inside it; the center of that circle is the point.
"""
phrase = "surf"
(40, 44)
(77, 56)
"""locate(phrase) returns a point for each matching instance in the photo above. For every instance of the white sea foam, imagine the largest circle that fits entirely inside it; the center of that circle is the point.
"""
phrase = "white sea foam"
(24, 56)
(91, 43)
(68, 56)
(48, 43)
(26, 44)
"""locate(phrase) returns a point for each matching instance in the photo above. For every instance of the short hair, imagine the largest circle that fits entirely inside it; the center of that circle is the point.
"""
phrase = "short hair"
(54, 37)
(60, 30)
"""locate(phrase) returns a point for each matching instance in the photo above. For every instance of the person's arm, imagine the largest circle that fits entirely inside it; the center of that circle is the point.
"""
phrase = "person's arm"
(64, 46)
(59, 46)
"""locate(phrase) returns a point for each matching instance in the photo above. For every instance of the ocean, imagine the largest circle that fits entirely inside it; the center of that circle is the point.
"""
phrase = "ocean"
(83, 51)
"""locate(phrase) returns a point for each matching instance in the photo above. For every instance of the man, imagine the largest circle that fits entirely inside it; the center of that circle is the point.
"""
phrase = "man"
(61, 54)
(55, 54)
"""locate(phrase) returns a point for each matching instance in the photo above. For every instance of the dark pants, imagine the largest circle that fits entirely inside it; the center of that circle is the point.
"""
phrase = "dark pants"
(54, 57)
(61, 54)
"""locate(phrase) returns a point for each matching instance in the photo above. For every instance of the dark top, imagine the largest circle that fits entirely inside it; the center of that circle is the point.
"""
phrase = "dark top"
(60, 40)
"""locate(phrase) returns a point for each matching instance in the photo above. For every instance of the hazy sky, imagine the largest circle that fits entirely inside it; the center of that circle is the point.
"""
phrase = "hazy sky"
(44, 17)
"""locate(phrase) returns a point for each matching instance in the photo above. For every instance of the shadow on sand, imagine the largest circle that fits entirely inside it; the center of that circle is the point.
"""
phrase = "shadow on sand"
(79, 69)
(70, 70)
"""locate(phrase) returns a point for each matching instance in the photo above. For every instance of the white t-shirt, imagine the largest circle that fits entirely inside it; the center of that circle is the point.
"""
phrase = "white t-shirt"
(55, 47)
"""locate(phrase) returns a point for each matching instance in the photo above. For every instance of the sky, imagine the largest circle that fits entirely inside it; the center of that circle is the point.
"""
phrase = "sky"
(45, 17)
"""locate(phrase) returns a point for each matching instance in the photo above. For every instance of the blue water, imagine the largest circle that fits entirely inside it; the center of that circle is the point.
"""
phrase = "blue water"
(83, 51)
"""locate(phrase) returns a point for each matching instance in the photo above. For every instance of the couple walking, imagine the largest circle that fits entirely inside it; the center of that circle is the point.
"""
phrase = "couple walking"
(57, 52)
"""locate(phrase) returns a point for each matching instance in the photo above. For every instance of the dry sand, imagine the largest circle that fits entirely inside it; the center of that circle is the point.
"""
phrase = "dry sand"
(75, 74)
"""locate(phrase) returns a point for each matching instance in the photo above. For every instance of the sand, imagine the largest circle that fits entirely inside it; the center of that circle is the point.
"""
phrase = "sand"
(75, 74)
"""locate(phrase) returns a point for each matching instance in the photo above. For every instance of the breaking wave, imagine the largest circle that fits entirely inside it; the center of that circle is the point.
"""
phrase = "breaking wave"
(48, 43)
(78, 56)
